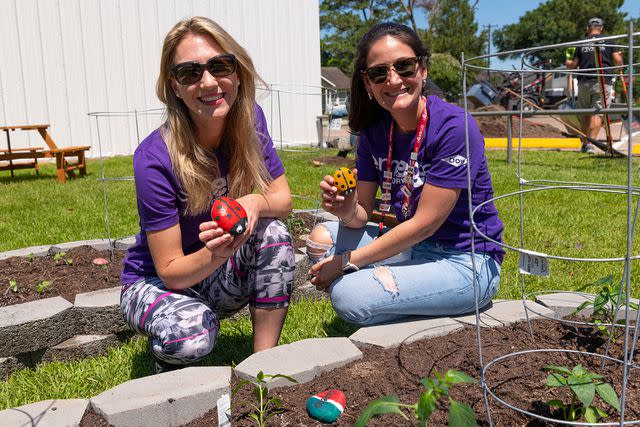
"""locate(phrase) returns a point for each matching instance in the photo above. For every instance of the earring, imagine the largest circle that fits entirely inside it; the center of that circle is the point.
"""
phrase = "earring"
(178, 95)
(370, 96)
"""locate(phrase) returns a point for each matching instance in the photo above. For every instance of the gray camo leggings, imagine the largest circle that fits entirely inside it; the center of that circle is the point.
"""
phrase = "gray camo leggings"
(183, 325)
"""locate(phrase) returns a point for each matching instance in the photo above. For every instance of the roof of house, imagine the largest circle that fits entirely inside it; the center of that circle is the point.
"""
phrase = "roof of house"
(335, 77)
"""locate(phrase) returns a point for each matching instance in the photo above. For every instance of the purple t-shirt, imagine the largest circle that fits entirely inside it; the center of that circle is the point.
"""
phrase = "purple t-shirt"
(162, 203)
(441, 162)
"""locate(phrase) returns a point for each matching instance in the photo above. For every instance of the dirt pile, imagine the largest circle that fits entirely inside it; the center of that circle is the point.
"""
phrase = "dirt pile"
(496, 127)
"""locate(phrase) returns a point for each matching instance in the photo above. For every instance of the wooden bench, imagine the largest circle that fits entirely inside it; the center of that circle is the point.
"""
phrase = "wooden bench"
(65, 167)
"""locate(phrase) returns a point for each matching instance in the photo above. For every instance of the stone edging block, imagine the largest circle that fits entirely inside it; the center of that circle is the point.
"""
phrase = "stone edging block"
(35, 250)
(51, 413)
(505, 312)
(8, 365)
(302, 360)
(81, 346)
(34, 325)
(98, 312)
(169, 399)
(394, 334)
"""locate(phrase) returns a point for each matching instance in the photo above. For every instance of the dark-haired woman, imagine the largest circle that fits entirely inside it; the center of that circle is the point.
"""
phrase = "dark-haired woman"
(184, 273)
(412, 148)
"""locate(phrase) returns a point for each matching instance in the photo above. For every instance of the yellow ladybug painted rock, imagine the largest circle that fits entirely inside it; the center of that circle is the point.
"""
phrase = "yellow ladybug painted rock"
(344, 180)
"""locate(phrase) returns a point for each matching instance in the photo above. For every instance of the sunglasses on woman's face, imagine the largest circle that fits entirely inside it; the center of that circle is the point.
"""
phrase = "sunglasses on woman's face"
(187, 73)
(405, 67)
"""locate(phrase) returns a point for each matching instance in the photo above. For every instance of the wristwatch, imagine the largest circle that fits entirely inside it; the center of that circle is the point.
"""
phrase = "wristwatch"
(347, 266)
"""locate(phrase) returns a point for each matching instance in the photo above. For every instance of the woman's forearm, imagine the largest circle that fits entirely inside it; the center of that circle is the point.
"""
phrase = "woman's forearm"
(186, 271)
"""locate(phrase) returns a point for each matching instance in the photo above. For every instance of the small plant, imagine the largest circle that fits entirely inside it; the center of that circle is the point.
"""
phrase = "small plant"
(584, 386)
(296, 225)
(267, 406)
(13, 286)
(42, 286)
(60, 256)
(460, 414)
(31, 257)
(605, 305)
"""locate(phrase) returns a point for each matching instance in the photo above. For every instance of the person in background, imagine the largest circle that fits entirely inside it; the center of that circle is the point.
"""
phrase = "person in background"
(589, 90)
(412, 148)
(184, 273)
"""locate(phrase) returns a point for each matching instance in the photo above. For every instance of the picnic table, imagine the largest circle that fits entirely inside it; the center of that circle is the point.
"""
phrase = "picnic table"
(15, 157)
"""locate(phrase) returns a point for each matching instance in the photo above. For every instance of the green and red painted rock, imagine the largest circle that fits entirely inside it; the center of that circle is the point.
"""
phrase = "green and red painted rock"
(327, 406)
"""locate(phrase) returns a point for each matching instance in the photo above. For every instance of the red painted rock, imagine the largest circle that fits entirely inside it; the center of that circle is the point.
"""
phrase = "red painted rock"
(100, 261)
(327, 406)
(229, 215)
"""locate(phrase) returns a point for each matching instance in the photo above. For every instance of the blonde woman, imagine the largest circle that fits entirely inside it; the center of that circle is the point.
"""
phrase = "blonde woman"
(184, 273)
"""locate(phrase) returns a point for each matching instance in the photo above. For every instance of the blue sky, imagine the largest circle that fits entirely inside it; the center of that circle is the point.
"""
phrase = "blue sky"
(503, 12)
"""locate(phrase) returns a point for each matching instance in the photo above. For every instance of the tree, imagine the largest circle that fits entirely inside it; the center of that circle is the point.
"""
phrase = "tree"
(344, 22)
(452, 29)
(558, 21)
(446, 72)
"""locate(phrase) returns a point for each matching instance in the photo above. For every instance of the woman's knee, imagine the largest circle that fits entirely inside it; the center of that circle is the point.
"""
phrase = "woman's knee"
(319, 242)
(347, 306)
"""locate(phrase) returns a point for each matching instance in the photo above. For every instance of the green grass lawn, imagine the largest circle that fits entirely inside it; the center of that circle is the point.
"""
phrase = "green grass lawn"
(576, 224)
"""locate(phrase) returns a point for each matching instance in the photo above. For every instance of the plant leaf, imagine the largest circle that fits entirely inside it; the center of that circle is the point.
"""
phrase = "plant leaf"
(556, 380)
(426, 405)
(579, 371)
(286, 377)
(560, 369)
(461, 415)
(239, 386)
(384, 405)
(457, 377)
(427, 383)
(590, 414)
(608, 394)
(585, 390)
(555, 403)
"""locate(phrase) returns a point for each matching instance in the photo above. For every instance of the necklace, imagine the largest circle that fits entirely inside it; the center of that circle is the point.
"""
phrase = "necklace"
(385, 206)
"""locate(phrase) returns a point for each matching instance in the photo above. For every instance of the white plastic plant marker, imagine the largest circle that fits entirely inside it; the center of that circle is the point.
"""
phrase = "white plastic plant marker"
(224, 411)
(534, 263)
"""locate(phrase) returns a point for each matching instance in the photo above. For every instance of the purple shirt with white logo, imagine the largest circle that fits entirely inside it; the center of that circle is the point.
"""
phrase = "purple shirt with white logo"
(162, 203)
(442, 161)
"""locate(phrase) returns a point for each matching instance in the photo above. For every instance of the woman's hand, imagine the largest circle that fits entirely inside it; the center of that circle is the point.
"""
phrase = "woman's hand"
(252, 208)
(341, 205)
(219, 243)
(326, 271)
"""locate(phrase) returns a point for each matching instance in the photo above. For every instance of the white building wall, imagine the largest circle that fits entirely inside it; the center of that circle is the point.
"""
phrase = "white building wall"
(62, 59)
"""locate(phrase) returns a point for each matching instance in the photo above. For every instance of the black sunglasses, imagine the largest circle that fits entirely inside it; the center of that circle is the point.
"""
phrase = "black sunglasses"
(405, 67)
(187, 73)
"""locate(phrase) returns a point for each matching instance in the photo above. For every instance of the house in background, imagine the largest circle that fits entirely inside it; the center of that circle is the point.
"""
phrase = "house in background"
(335, 89)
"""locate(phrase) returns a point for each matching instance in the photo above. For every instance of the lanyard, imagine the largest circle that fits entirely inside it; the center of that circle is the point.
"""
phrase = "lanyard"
(407, 186)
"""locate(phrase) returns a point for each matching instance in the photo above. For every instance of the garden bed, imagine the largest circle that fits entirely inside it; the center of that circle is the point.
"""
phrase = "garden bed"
(73, 272)
(519, 380)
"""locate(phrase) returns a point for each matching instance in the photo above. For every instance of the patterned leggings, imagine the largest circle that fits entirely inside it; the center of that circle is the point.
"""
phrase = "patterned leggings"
(183, 325)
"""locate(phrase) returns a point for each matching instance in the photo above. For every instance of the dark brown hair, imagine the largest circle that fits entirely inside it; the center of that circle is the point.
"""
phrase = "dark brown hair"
(364, 111)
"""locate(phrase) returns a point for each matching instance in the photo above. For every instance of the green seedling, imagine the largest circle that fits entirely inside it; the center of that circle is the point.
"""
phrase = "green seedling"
(460, 414)
(42, 286)
(31, 257)
(295, 225)
(267, 406)
(584, 386)
(605, 305)
(13, 286)
(59, 256)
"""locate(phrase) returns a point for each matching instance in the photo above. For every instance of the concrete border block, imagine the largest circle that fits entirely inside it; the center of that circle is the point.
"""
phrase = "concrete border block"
(506, 312)
(81, 346)
(302, 360)
(35, 250)
(8, 365)
(46, 413)
(169, 399)
(394, 334)
(98, 312)
(45, 322)
(98, 244)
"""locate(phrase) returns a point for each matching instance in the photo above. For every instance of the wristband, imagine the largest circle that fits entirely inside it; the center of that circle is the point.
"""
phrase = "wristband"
(570, 53)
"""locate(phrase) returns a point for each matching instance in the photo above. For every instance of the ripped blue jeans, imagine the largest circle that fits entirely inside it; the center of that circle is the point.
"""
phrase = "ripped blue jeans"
(431, 280)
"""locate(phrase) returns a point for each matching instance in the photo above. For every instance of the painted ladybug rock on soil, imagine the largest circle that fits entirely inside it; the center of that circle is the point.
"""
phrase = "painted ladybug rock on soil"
(327, 406)
(344, 180)
(229, 215)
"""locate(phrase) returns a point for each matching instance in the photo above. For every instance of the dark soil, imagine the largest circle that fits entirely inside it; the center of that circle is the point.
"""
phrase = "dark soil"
(518, 380)
(69, 274)
(496, 127)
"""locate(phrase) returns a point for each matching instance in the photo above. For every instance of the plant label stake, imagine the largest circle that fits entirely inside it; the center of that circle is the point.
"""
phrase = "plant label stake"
(534, 263)
(327, 406)
(229, 215)
(224, 410)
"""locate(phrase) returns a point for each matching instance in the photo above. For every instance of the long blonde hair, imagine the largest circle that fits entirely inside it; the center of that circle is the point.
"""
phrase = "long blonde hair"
(194, 166)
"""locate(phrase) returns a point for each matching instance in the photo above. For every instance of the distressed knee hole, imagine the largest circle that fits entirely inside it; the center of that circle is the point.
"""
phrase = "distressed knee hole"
(383, 275)
(318, 242)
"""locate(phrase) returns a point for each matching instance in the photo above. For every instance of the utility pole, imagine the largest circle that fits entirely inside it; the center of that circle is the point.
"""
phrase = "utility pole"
(489, 53)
